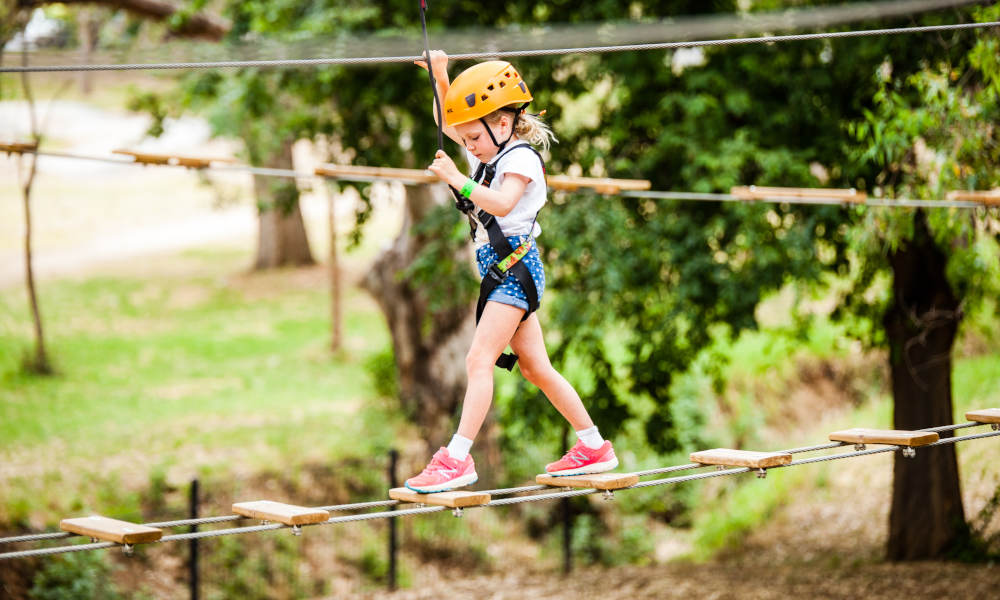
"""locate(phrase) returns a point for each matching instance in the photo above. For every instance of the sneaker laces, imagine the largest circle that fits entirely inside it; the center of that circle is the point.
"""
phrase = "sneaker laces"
(435, 464)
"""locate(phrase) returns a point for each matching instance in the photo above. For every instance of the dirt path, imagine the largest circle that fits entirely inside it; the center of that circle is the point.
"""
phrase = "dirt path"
(912, 581)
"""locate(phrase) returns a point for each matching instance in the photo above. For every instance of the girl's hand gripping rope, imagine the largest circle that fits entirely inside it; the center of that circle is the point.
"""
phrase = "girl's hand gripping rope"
(446, 170)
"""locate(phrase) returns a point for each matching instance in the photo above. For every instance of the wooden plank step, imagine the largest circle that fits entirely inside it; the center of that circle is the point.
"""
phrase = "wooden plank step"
(601, 185)
(894, 437)
(986, 197)
(741, 458)
(455, 499)
(18, 147)
(598, 481)
(984, 415)
(111, 530)
(758, 192)
(287, 514)
(193, 162)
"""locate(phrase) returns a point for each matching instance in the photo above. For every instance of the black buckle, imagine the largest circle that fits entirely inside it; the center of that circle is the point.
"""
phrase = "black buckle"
(495, 272)
(507, 361)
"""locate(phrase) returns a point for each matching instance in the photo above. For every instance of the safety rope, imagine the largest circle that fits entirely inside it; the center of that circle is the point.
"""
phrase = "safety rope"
(651, 195)
(381, 60)
(498, 502)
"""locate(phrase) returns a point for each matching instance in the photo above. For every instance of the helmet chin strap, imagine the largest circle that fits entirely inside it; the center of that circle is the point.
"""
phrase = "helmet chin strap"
(513, 127)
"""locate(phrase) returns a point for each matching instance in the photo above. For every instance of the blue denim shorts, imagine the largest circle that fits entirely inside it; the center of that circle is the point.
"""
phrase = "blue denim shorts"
(510, 291)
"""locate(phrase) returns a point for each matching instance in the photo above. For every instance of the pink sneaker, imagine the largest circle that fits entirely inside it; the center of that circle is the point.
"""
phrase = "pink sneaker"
(443, 474)
(581, 460)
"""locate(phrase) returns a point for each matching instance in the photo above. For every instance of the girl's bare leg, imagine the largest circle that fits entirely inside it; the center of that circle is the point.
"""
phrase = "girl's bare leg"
(497, 325)
(533, 359)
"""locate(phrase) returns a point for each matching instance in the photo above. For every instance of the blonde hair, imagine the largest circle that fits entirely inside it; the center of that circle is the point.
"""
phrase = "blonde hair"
(529, 127)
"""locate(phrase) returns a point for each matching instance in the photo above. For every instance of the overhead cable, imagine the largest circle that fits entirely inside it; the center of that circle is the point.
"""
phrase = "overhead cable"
(381, 60)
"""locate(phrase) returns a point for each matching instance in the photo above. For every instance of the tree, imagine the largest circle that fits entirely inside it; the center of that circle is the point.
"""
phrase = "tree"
(928, 133)
(772, 115)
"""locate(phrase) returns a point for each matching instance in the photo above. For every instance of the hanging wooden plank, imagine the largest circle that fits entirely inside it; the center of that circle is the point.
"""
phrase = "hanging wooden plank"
(984, 415)
(111, 530)
(893, 437)
(598, 481)
(191, 162)
(985, 197)
(453, 499)
(287, 514)
(728, 457)
(757, 192)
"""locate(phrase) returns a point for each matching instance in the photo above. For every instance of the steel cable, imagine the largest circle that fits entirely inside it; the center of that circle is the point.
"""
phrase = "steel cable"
(512, 500)
(381, 60)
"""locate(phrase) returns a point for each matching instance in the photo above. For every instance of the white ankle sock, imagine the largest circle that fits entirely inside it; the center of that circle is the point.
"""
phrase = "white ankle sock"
(459, 447)
(590, 437)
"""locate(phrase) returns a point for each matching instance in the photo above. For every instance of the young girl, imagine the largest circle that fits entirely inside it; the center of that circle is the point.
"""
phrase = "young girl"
(484, 112)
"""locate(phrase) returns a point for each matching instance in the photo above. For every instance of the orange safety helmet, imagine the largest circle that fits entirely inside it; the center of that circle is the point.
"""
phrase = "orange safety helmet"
(482, 89)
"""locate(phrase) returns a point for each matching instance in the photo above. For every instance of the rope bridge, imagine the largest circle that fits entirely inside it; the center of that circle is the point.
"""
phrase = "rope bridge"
(628, 188)
(285, 516)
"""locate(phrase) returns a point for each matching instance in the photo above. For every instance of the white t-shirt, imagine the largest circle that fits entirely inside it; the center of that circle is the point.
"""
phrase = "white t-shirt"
(520, 219)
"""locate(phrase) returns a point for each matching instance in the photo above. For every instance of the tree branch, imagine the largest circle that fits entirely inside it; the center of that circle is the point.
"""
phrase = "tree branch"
(198, 25)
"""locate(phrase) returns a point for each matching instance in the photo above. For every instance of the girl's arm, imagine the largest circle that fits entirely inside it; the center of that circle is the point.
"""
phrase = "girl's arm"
(439, 62)
(496, 202)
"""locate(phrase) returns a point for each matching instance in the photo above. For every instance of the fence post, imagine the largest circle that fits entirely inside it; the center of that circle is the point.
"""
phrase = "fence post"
(567, 520)
(193, 544)
(393, 459)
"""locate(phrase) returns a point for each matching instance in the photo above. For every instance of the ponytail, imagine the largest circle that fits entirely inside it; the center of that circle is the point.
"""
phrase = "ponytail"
(530, 128)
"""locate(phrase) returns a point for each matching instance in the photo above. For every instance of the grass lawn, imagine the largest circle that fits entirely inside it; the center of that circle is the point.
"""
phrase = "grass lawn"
(212, 368)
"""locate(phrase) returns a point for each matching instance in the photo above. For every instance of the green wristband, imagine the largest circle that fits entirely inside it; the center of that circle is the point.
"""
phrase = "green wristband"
(468, 187)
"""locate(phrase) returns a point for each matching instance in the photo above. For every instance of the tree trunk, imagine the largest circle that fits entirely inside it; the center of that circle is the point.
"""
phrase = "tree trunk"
(336, 297)
(429, 347)
(926, 519)
(39, 363)
(281, 239)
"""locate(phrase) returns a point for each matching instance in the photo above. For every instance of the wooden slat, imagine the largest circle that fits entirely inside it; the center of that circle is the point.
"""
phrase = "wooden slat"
(288, 514)
(987, 197)
(111, 530)
(601, 185)
(741, 458)
(389, 173)
(757, 192)
(456, 499)
(18, 147)
(598, 481)
(193, 162)
(985, 415)
(884, 436)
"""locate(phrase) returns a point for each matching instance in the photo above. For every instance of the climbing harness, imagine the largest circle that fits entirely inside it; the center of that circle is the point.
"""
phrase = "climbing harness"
(477, 92)
(509, 258)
